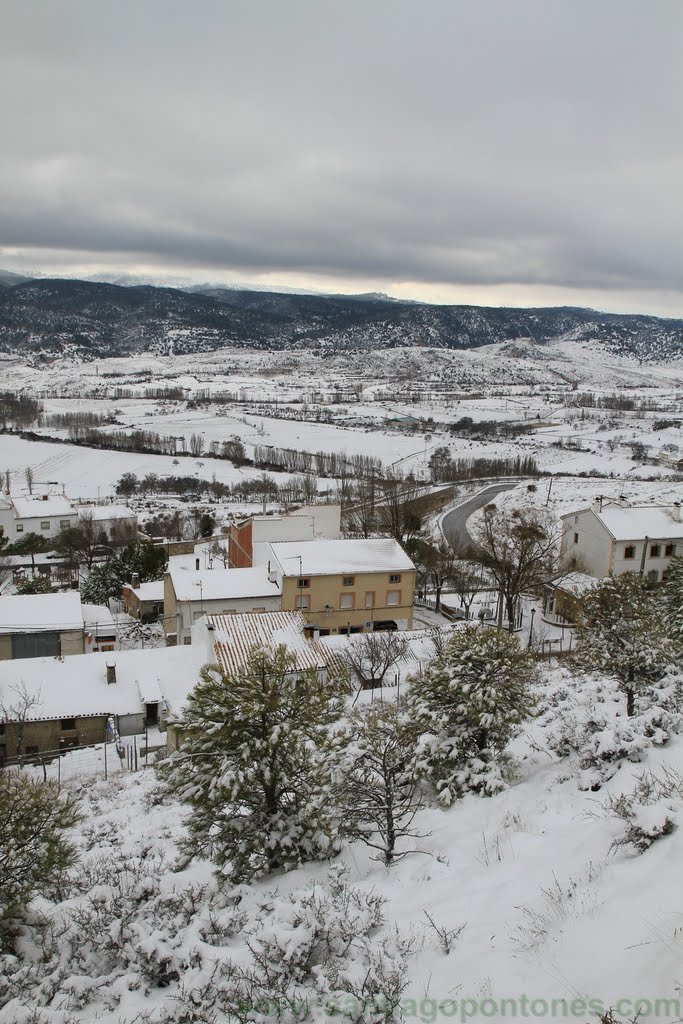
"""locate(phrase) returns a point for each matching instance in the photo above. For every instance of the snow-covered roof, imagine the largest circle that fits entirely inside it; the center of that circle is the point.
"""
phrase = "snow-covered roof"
(336, 557)
(219, 584)
(37, 508)
(236, 635)
(99, 513)
(77, 687)
(97, 615)
(637, 521)
(35, 613)
(149, 591)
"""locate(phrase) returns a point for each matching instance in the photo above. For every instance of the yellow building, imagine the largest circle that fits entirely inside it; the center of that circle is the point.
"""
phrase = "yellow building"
(346, 586)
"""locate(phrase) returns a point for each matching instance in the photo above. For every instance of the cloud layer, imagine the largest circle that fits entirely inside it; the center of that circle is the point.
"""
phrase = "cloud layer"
(478, 145)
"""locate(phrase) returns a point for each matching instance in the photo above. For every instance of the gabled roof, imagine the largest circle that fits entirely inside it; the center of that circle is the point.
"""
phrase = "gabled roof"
(223, 584)
(37, 508)
(635, 522)
(36, 613)
(338, 557)
(235, 636)
(77, 686)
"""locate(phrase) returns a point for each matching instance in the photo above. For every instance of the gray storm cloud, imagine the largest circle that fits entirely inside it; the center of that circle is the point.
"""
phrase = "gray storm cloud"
(439, 141)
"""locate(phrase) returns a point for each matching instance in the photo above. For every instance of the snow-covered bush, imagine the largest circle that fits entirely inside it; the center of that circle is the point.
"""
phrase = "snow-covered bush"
(466, 708)
(584, 717)
(312, 955)
(649, 811)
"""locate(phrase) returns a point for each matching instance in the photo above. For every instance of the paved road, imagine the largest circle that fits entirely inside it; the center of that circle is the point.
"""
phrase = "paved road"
(453, 523)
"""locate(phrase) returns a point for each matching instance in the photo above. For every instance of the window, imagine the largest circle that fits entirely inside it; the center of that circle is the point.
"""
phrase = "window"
(348, 581)
(576, 538)
(346, 601)
(302, 602)
(68, 723)
(45, 525)
(370, 599)
(393, 598)
(187, 640)
(576, 519)
(655, 550)
(303, 583)
(20, 527)
(630, 551)
(653, 575)
(63, 524)
(670, 550)
(395, 578)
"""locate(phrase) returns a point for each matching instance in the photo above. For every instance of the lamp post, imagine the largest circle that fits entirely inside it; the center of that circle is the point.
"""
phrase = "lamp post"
(531, 625)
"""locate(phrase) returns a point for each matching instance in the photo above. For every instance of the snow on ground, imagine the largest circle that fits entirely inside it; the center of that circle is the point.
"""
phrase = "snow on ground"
(550, 910)
(562, 495)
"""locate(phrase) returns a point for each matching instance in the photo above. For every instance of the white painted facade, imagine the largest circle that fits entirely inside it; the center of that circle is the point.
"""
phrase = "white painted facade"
(612, 538)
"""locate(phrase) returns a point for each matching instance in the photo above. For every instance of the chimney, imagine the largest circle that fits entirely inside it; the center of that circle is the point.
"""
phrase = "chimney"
(676, 511)
(597, 503)
(196, 564)
(45, 497)
(135, 580)
(111, 672)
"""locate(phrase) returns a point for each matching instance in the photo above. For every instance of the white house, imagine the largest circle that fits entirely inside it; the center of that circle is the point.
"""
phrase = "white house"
(110, 519)
(189, 595)
(612, 537)
(44, 514)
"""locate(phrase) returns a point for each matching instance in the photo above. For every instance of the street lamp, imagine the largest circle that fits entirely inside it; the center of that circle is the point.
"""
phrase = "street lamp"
(531, 625)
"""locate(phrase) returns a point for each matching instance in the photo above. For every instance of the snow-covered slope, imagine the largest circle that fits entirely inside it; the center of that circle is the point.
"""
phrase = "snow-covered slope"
(541, 915)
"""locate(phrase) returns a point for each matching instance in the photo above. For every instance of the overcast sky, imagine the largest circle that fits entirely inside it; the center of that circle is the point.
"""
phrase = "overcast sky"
(492, 151)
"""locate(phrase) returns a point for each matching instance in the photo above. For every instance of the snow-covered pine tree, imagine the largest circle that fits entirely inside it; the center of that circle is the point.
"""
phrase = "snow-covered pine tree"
(379, 792)
(466, 708)
(34, 847)
(673, 599)
(255, 766)
(622, 631)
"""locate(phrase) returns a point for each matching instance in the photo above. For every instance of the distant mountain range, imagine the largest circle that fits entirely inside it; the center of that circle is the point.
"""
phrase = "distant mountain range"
(86, 319)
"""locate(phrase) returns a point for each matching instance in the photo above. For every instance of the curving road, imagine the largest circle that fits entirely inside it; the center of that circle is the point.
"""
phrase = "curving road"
(453, 523)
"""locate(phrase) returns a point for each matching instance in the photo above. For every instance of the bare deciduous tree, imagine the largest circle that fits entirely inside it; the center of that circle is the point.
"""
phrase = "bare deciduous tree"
(520, 550)
(379, 795)
(15, 711)
(369, 656)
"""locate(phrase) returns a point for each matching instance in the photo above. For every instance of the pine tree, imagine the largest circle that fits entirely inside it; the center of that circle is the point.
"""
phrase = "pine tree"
(255, 766)
(34, 850)
(379, 792)
(466, 708)
(622, 632)
(673, 598)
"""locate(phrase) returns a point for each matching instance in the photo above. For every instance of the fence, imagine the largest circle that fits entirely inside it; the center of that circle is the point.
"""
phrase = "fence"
(97, 760)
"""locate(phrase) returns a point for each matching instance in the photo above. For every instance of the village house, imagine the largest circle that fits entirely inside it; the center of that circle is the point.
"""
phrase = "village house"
(612, 537)
(41, 625)
(311, 522)
(346, 586)
(53, 625)
(144, 601)
(49, 514)
(49, 705)
(44, 515)
(191, 594)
